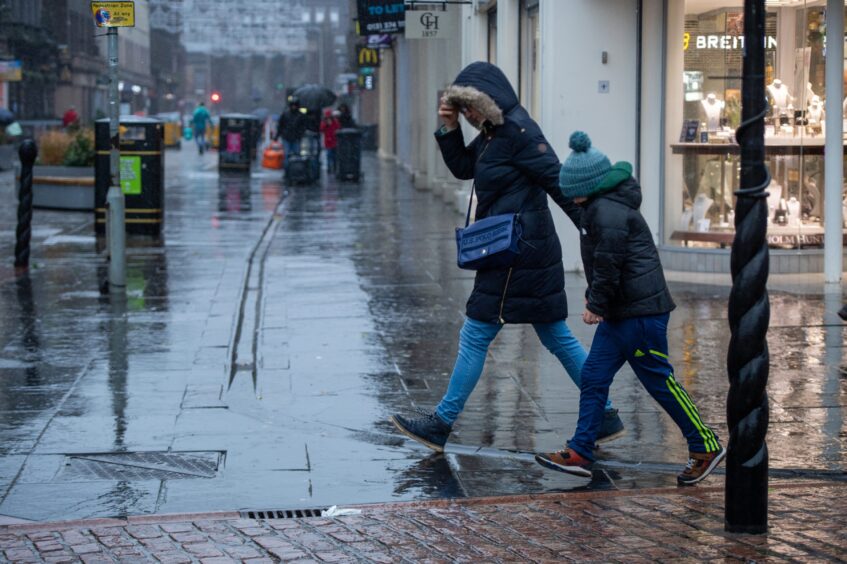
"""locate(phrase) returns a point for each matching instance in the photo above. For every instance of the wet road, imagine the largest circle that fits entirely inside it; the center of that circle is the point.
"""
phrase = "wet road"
(265, 340)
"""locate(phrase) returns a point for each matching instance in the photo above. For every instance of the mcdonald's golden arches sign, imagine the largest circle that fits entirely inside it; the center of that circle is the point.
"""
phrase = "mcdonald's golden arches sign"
(368, 57)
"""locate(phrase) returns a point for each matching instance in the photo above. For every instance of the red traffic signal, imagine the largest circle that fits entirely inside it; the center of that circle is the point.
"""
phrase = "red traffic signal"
(215, 97)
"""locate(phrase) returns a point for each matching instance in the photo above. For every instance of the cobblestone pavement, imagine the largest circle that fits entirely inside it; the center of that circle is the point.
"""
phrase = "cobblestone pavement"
(671, 525)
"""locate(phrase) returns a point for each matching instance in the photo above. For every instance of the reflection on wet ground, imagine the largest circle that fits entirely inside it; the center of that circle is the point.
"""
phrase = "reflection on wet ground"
(273, 330)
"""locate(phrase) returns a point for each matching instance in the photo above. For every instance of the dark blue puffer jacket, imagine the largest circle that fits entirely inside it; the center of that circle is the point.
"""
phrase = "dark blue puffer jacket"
(511, 164)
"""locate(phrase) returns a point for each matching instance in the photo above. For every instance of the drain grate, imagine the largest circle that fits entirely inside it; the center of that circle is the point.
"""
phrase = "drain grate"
(283, 514)
(133, 466)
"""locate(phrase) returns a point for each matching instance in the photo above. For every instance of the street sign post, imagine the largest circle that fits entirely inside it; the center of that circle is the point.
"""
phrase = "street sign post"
(113, 15)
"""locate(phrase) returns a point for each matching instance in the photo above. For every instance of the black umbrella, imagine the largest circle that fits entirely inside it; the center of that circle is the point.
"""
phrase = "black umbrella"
(6, 117)
(314, 97)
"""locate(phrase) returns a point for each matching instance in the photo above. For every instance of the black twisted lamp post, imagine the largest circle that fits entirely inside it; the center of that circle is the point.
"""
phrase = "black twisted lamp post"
(23, 233)
(749, 308)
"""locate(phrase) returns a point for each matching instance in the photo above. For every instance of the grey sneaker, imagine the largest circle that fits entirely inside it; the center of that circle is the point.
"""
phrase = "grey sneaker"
(611, 428)
(428, 429)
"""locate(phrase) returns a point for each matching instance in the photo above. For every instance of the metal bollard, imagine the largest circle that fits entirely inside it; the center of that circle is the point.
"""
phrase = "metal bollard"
(747, 415)
(23, 234)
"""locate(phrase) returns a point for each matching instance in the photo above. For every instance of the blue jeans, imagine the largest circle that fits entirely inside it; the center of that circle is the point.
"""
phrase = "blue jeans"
(474, 339)
(330, 160)
(643, 342)
(200, 139)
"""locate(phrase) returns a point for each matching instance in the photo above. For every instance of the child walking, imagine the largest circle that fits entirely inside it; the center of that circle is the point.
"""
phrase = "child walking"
(329, 127)
(628, 299)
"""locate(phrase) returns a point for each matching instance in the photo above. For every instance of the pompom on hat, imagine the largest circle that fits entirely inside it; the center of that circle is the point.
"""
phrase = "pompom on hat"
(584, 168)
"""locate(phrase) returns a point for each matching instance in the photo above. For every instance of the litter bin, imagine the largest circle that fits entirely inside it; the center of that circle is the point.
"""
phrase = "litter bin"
(237, 142)
(142, 169)
(348, 155)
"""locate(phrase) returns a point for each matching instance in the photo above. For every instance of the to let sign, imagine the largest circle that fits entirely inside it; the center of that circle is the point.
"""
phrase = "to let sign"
(381, 16)
(113, 14)
(426, 24)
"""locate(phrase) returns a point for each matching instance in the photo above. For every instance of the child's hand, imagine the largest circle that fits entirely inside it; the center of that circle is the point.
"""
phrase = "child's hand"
(591, 318)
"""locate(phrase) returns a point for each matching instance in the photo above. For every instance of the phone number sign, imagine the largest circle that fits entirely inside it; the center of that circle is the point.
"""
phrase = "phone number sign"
(113, 14)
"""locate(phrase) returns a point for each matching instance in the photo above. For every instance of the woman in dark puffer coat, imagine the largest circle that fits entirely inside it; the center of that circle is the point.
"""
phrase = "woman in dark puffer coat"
(514, 169)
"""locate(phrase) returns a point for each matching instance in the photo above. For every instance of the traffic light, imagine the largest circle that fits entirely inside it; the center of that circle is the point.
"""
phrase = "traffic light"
(215, 97)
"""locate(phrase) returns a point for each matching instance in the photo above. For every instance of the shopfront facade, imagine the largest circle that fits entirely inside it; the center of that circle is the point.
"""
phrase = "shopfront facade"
(703, 108)
(657, 83)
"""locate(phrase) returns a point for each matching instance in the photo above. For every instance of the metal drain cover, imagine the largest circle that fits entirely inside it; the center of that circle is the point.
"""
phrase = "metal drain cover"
(282, 514)
(133, 466)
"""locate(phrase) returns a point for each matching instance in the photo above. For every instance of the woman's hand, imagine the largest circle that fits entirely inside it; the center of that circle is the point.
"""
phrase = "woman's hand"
(591, 318)
(449, 115)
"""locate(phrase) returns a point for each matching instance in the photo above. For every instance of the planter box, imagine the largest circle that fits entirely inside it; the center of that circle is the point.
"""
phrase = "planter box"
(7, 157)
(63, 187)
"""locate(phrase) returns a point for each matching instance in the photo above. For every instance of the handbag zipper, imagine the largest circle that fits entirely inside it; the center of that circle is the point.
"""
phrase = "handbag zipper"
(503, 301)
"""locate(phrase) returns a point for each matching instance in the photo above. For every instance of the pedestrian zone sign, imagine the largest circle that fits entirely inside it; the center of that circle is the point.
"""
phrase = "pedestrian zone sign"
(114, 14)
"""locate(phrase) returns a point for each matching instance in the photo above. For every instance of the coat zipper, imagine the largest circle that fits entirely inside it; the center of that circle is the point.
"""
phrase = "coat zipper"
(503, 301)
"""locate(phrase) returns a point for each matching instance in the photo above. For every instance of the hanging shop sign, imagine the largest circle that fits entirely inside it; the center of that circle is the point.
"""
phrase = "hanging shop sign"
(432, 24)
(380, 40)
(113, 14)
(368, 57)
(381, 16)
(11, 71)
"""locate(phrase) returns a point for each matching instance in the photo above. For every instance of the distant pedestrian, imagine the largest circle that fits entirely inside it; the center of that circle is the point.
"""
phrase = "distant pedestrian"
(628, 298)
(514, 170)
(290, 127)
(71, 118)
(200, 120)
(346, 117)
(329, 128)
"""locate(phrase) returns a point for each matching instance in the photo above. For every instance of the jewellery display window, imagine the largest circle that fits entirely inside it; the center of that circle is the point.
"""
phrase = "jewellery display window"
(702, 169)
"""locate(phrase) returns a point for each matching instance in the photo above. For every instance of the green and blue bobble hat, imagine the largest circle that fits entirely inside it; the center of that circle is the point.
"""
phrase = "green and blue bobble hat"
(584, 168)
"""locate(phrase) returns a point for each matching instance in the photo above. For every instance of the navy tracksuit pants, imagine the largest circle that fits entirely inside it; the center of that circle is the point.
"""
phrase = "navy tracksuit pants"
(643, 342)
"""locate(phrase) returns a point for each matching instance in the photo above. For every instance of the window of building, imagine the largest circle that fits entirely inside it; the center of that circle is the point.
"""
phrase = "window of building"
(530, 58)
(492, 36)
(703, 100)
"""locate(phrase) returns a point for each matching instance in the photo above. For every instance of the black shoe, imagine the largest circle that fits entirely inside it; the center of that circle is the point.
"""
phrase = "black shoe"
(428, 429)
(611, 428)
(842, 313)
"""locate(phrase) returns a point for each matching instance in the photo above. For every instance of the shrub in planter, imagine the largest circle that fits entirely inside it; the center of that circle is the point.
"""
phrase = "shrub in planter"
(81, 149)
(52, 148)
(64, 175)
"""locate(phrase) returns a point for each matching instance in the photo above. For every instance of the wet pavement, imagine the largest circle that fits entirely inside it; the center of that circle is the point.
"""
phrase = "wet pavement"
(264, 341)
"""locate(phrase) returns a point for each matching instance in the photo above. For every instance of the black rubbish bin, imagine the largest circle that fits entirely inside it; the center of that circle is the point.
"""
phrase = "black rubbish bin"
(348, 155)
(142, 169)
(237, 142)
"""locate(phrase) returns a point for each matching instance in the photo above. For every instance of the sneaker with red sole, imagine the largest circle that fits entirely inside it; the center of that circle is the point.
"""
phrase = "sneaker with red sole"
(700, 465)
(567, 460)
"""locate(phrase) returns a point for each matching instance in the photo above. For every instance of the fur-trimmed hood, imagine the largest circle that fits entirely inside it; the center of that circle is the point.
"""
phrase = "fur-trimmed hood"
(484, 87)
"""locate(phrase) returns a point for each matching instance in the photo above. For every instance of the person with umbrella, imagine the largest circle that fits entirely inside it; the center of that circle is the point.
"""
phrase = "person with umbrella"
(291, 127)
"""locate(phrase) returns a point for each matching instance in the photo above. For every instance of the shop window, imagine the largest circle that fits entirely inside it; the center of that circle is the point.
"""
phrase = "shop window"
(702, 170)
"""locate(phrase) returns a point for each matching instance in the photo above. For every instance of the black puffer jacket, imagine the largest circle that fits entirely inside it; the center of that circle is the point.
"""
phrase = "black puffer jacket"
(511, 164)
(625, 277)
